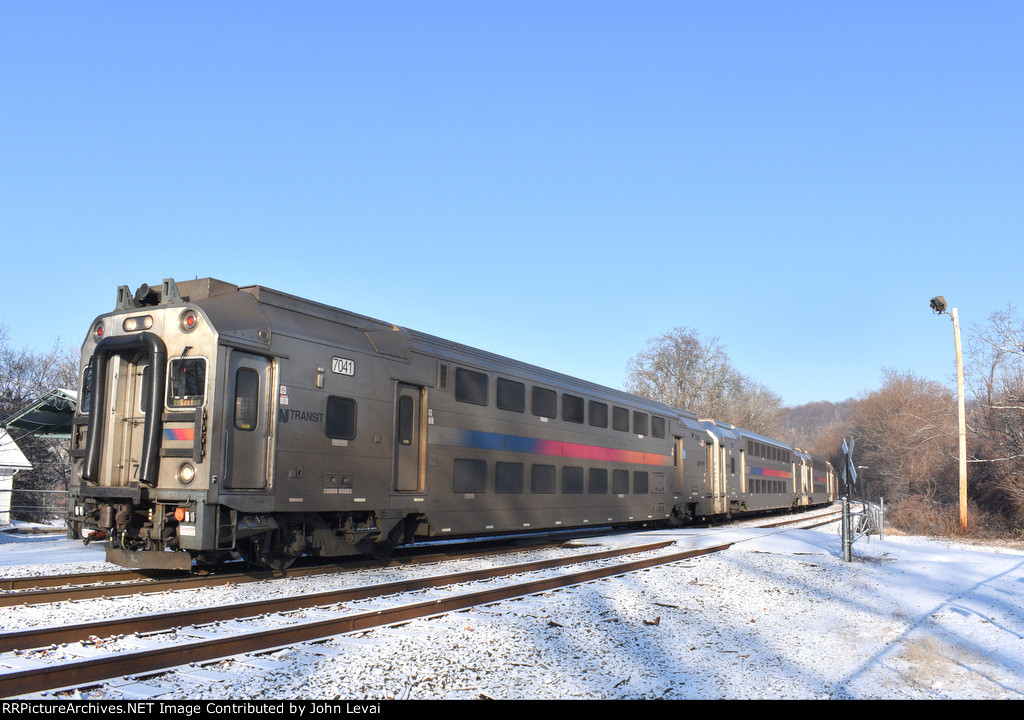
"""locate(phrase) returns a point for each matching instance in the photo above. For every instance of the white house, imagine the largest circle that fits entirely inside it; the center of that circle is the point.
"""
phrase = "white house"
(11, 461)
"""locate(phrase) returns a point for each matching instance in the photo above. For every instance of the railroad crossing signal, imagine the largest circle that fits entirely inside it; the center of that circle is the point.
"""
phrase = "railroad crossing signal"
(849, 467)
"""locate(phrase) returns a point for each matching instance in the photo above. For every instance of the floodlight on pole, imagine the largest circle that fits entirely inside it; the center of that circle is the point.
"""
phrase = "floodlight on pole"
(938, 305)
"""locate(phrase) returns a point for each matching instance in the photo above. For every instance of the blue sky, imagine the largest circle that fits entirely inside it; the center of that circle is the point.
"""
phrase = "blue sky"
(554, 181)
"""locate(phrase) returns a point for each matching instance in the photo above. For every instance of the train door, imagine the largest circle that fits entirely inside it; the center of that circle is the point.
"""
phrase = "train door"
(679, 458)
(715, 467)
(129, 394)
(409, 437)
(247, 422)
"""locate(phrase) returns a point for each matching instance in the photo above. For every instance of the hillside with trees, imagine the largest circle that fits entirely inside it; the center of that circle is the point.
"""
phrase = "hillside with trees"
(905, 431)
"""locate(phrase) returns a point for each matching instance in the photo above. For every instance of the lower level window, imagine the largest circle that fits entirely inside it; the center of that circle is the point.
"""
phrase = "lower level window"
(508, 477)
(469, 476)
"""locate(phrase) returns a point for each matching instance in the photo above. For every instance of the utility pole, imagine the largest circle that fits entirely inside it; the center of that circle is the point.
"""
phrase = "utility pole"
(938, 304)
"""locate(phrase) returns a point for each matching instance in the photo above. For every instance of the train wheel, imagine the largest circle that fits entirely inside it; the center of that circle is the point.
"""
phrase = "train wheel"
(262, 553)
(377, 550)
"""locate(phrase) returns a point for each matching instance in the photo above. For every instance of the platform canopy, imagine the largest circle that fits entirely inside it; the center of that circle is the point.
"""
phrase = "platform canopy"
(49, 416)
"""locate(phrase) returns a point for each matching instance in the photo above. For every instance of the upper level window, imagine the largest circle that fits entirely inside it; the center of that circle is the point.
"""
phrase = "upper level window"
(572, 408)
(470, 386)
(640, 423)
(620, 419)
(544, 402)
(511, 395)
(598, 414)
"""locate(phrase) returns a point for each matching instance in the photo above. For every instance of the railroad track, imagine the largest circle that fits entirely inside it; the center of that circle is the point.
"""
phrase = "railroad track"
(30, 590)
(256, 639)
(33, 589)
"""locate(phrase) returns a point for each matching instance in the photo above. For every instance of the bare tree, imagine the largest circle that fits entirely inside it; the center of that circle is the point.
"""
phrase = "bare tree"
(26, 376)
(906, 433)
(994, 372)
(688, 370)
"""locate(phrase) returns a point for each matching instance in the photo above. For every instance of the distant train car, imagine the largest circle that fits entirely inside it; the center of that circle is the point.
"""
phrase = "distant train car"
(216, 420)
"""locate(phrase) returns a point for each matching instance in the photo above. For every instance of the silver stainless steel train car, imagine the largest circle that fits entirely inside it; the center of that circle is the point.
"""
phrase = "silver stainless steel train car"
(217, 420)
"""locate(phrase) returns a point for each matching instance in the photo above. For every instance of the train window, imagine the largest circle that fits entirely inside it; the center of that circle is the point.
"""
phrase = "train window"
(87, 389)
(640, 423)
(247, 399)
(598, 414)
(186, 383)
(572, 480)
(542, 479)
(508, 477)
(470, 387)
(340, 418)
(545, 402)
(469, 476)
(657, 426)
(406, 424)
(620, 419)
(572, 409)
(598, 484)
(144, 389)
(620, 482)
(641, 482)
(732, 465)
(511, 395)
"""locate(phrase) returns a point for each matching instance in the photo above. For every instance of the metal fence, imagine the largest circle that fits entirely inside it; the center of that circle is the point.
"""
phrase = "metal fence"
(34, 505)
(869, 520)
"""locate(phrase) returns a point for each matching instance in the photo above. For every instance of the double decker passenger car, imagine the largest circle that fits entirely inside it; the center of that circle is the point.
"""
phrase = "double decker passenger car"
(218, 420)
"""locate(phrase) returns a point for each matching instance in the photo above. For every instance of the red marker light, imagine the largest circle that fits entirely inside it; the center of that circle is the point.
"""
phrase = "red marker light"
(188, 321)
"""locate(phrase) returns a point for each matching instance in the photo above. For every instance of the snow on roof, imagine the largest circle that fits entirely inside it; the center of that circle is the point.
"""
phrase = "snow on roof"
(10, 456)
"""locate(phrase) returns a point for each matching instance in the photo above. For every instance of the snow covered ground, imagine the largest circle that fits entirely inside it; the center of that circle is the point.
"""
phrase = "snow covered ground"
(778, 615)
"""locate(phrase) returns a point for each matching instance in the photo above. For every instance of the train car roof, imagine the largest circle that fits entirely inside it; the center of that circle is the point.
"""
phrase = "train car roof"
(395, 341)
(723, 428)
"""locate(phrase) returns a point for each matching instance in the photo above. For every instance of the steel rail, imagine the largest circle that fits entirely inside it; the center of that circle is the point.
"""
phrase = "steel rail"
(27, 582)
(80, 586)
(97, 669)
(83, 591)
(42, 637)
(71, 586)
